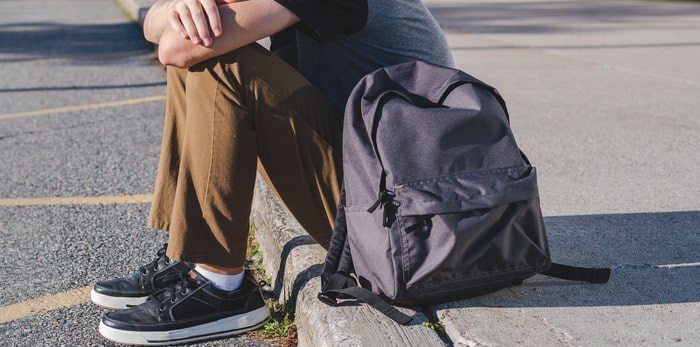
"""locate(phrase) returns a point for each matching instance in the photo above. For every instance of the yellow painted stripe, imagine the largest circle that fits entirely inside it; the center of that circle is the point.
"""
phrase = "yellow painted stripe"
(50, 111)
(78, 200)
(44, 304)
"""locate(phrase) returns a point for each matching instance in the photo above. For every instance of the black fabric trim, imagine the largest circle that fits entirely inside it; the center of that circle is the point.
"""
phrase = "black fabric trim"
(573, 273)
(327, 18)
(375, 301)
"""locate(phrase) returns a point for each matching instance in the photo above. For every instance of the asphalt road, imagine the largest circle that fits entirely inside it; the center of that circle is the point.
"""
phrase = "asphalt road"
(81, 104)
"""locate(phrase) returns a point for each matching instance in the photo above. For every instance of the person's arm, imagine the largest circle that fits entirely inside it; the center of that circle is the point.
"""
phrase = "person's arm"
(242, 23)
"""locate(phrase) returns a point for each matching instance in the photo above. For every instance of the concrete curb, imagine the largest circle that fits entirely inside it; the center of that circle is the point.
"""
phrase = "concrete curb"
(293, 260)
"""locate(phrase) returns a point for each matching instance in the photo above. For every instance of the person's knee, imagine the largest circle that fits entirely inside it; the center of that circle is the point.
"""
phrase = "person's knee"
(249, 55)
(233, 66)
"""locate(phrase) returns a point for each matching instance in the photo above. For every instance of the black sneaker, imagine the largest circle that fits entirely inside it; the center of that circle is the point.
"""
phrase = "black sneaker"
(121, 293)
(189, 310)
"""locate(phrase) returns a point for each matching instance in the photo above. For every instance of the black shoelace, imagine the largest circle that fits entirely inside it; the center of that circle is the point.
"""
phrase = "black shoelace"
(154, 264)
(168, 295)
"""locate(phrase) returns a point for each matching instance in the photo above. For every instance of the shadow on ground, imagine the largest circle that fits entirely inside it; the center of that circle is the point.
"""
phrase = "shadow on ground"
(655, 259)
(45, 40)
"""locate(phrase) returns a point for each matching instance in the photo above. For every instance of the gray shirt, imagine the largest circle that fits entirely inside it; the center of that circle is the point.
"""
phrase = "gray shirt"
(395, 31)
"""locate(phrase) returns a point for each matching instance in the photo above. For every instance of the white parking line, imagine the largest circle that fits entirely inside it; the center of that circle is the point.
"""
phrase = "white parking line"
(679, 265)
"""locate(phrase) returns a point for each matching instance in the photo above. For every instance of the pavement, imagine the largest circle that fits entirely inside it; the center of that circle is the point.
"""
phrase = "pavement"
(604, 99)
(81, 116)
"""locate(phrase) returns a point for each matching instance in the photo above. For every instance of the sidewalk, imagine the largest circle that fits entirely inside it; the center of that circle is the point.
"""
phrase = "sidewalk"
(604, 98)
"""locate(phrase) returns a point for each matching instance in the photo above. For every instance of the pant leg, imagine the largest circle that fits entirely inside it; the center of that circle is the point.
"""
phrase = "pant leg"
(170, 150)
(238, 107)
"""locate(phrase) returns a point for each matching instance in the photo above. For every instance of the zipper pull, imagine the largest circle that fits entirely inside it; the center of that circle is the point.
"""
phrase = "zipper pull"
(388, 204)
(374, 206)
(384, 197)
(389, 214)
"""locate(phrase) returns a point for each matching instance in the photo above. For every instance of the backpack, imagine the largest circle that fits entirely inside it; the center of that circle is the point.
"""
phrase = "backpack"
(438, 202)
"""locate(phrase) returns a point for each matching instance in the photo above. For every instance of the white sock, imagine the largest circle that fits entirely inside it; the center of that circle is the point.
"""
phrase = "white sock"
(222, 282)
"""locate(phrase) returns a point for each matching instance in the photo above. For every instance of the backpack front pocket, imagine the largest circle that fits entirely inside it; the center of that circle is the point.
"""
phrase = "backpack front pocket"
(470, 229)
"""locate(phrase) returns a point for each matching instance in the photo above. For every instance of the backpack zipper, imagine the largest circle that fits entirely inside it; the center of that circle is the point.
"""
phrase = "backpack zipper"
(388, 204)
(385, 200)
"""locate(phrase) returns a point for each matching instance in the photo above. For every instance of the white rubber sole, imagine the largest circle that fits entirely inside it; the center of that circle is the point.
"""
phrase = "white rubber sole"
(118, 303)
(224, 327)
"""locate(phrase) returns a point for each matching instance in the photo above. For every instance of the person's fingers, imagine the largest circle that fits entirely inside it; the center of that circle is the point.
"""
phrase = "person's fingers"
(212, 12)
(176, 24)
(185, 17)
(196, 20)
(200, 22)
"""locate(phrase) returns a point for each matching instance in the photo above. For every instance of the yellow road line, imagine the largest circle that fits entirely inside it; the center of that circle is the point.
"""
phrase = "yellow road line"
(77, 200)
(44, 304)
(56, 110)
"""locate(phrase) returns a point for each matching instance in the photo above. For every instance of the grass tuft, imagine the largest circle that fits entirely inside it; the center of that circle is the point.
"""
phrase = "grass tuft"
(279, 329)
(437, 326)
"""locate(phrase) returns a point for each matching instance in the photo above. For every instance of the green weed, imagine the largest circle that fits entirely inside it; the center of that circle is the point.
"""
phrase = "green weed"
(279, 329)
(437, 326)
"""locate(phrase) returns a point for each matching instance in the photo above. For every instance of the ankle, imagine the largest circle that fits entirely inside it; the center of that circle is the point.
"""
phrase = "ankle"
(221, 270)
(226, 282)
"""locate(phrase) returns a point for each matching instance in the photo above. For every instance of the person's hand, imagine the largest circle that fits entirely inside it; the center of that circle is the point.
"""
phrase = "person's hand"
(196, 20)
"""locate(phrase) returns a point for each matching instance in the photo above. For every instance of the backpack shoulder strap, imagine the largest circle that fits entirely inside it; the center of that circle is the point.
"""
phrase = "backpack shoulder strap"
(574, 273)
(338, 258)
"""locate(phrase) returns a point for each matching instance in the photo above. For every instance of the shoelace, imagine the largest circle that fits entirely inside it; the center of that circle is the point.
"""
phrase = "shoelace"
(154, 264)
(182, 285)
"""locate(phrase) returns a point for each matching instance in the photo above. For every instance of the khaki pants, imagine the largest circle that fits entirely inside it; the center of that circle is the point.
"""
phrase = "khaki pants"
(225, 117)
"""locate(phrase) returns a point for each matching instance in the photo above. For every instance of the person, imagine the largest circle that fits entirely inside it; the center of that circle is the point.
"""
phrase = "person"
(232, 107)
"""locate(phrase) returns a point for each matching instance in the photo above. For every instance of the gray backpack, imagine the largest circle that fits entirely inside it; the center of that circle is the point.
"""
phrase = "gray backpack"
(439, 203)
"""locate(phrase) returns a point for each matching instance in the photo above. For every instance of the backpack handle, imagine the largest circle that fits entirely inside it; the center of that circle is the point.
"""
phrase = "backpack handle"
(467, 79)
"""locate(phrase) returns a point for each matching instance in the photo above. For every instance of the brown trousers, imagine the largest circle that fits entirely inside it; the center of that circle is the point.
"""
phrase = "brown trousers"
(225, 117)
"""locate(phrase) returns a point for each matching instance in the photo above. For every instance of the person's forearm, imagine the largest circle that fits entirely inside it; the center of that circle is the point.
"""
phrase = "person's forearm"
(156, 21)
(243, 23)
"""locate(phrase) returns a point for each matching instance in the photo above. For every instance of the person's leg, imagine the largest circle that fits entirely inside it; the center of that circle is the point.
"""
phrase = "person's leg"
(170, 150)
(239, 106)
(134, 289)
